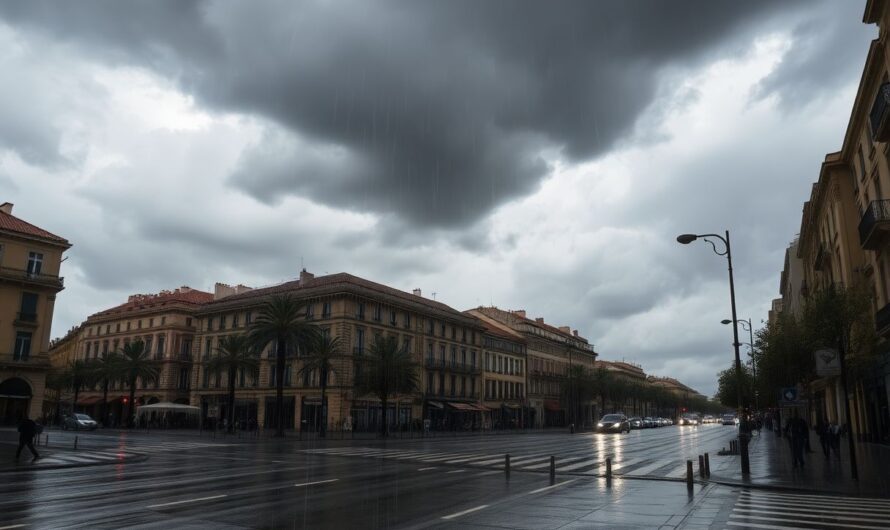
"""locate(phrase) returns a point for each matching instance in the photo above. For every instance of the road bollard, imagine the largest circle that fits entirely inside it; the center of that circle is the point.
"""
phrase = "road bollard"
(552, 468)
(46, 440)
(609, 468)
(507, 464)
(689, 474)
(701, 466)
(707, 466)
(75, 442)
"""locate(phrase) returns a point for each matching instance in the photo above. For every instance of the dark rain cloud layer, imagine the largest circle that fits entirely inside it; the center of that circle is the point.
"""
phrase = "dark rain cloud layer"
(436, 112)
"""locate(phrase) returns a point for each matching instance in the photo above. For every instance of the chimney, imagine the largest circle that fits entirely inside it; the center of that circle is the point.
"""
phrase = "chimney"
(222, 290)
(305, 277)
(575, 332)
(416, 292)
(520, 312)
(185, 289)
(539, 320)
(6, 207)
(565, 329)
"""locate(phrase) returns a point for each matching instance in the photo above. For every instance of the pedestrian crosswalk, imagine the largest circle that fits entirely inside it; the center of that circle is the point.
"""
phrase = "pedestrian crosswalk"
(779, 511)
(579, 462)
(80, 458)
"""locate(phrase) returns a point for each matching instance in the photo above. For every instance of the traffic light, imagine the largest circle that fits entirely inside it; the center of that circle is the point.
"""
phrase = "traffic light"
(125, 400)
(681, 410)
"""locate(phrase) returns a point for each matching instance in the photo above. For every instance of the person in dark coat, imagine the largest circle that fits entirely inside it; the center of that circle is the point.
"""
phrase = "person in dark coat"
(799, 432)
(824, 432)
(27, 430)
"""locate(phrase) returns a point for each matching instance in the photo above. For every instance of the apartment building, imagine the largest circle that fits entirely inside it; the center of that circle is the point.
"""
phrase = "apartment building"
(446, 344)
(550, 350)
(165, 322)
(634, 376)
(30, 262)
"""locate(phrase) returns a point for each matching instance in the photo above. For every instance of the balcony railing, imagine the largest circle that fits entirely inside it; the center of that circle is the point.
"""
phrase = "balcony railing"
(882, 318)
(880, 132)
(452, 366)
(32, 277)
(874, 223)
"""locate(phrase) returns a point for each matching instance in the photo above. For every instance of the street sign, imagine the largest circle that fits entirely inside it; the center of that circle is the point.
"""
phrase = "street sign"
(828, 362)
(789, 395)
(213, 411)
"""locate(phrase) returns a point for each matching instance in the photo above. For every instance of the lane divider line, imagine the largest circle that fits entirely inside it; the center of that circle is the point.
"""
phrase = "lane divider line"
(539, 490)
(186, 501)
(471, 510)
(315, 482)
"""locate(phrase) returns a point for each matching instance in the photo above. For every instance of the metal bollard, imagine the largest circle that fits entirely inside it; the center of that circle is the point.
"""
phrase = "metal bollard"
(507, 464)
(552, 468)
(689, 474)
(609, 468)
(707, 466)
(701, 466)
(75, 442)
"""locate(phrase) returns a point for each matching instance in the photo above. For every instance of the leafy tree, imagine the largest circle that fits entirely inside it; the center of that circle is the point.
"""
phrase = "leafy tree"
(281, 321)
(387, 370)
(234, 354)
(75, 377)
(842, 318)
(105, 370)
(136, 364)
(321, 353)
(56, 381)
(728, 386)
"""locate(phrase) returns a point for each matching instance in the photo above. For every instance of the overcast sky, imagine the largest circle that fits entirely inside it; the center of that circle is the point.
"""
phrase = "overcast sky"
(531, 155)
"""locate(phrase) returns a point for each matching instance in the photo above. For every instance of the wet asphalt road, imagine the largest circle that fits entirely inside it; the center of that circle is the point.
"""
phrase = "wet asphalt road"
(192, 482)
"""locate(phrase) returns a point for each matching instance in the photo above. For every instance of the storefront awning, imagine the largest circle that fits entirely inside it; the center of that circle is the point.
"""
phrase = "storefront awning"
(462, 406)
(435, 404)
(510, 406)
(482, 408)
(552, 405)
(89, 400)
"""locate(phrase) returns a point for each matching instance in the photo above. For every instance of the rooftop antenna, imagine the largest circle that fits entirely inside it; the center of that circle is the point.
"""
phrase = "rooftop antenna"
(434, 295)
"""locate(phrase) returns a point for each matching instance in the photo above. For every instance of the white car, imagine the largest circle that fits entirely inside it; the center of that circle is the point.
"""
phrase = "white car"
(78, 421)
(688, 419)
(729, 419)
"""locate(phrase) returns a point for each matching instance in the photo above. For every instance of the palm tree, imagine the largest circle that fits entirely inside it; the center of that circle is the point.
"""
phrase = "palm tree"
(322, 351)
(75, 377)
(235, 354)
(57, 381)
(387, 370)
(105, 369)
(135, 364)
(281, 322)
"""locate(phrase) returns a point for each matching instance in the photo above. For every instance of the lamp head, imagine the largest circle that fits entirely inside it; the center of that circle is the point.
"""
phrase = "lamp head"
(686, 238)
(726, 321)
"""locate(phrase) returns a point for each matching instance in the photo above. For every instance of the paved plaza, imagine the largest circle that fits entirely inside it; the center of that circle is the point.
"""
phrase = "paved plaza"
(176, 480)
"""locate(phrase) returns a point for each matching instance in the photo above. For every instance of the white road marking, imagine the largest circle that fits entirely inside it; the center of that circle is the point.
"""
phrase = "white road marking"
(811, 509)
(487, 473)
(455, 471)
(426, 468)
(539, 490)
(186, 501)
(645, 470)
(766, 526)
(812, 505)
(579, 465)
(844, 501)
(11, 526)
(820, 523)
(315, 482)
(471, 510)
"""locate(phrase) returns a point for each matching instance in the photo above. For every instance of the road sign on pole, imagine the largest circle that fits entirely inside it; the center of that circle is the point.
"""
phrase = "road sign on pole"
(828, 362)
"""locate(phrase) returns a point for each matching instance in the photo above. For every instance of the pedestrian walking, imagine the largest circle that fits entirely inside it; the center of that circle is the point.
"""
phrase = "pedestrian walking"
(834, 439)
(799, 433)
(28, 428)
(824, 432)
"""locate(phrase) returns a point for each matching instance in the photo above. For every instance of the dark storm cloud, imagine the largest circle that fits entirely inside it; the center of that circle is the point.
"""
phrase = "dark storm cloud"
(434, 111)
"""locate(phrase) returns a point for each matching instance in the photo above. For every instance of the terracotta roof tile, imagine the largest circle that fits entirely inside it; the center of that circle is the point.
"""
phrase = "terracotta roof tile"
(191, 297)
(12, 223)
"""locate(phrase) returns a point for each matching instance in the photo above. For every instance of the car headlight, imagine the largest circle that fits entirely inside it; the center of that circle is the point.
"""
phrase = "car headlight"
(617, 424)
(599, 424)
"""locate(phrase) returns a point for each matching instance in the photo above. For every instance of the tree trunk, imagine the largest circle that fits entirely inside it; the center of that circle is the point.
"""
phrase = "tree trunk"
(385, 405)
(232, 374)
(74, 404)
(105, 403)
(279, 389)
(324, 408)
(132, 408)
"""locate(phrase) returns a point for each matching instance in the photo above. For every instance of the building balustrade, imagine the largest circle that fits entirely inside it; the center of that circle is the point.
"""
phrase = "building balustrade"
(51, 280)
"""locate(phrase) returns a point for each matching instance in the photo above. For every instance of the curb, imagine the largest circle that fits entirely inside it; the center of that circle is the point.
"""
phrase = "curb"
(135, 458)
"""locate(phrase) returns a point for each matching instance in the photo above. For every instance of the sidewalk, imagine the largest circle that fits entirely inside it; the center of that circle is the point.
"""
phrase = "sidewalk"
(771, 467)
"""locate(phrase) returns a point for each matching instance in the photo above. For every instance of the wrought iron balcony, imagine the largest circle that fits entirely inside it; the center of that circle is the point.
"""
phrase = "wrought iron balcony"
(875, 225)
(22, 275)
(880, 123)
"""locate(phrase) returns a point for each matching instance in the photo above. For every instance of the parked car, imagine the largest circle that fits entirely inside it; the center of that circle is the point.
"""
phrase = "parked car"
(613, 423)
(79, 422)
(664, 422)
(729, 419)
(689, 419)
(636, 422)
(650, 422)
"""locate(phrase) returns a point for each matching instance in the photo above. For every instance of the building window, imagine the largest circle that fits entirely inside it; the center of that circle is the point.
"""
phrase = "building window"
(28, 308)
(429, 353)
(431, 325)
(453, 356)
(205, 378)
(148, 344)
(407, 320)
(117, 327)
(139, 324)
(222, 322)
(114, 344)
(441, 384)
(429, 383)
(310, 311)
(408, 343)
(35, 263)
(208, 348)
(129, 325)
(487, 361)
(247, 318)
(377, 312)
(22, 349)
(392, 318)
(473, 358)
(442, 329)
(453, 332)
(160, 352)
(163, 321)
(326, 310)
(442, 354)
(184, 379)
(360, 310)
(188, 322)
(463, 335)
(359, 341)
(453, 385)
(151, 322)
(463, 387)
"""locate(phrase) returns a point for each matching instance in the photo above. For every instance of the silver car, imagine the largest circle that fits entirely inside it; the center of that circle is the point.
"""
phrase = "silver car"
(79, 422)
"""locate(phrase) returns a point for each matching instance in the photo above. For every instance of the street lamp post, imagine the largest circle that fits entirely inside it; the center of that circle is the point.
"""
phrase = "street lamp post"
(685, 239)
(747, 326)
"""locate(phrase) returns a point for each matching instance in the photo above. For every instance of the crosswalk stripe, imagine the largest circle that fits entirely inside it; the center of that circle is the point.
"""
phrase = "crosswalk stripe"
(822, 514)
(820, 523)
(596, 462)
(813, 504)
(626, 463)
(784, 505)
(821, 498)
(765, 526)
(645, 470)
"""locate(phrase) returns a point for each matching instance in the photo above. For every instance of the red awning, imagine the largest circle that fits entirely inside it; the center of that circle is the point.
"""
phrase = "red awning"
(552, 405)
(462, 406)
(89, 400)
